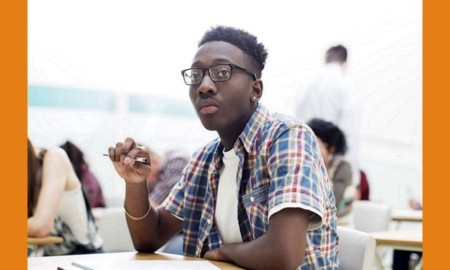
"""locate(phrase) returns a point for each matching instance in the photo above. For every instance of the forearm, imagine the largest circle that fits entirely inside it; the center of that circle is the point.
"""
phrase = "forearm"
(37, 229)
(260, 254)
(143, 232)
(282, 247)
(150, 228)
(147, 234)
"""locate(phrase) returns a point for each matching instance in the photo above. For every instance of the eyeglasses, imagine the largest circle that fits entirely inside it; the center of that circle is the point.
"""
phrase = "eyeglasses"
(217, 73)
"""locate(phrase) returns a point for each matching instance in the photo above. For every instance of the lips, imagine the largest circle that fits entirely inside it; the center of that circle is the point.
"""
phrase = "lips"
(207, 106)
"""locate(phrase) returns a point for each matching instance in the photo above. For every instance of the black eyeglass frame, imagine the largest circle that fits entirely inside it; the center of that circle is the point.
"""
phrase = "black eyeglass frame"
(232, 66)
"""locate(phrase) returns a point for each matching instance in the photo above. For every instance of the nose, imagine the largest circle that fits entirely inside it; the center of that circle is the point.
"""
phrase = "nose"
(207, 85)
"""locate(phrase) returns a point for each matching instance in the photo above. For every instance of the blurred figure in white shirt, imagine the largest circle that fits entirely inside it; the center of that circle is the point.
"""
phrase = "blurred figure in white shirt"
(331, 96)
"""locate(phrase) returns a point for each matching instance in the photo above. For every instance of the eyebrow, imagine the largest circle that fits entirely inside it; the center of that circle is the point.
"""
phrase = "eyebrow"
(215, 60)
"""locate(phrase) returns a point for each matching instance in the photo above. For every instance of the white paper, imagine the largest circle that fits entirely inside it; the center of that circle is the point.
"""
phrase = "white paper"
(147, 264)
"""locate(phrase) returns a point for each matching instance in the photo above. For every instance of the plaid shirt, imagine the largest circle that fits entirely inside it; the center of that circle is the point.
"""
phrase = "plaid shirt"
(280, 167)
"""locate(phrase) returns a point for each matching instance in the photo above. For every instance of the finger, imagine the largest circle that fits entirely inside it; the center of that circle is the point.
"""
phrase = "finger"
(111, 153)
(143, 152)
(117, 151)
(128, 145)
(136, 152)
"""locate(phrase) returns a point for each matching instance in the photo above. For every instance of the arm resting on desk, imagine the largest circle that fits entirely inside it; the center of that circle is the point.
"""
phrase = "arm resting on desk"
(282, 247)
(157, 228)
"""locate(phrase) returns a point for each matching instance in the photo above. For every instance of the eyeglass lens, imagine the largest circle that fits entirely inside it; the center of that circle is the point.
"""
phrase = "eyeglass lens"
(217, 73)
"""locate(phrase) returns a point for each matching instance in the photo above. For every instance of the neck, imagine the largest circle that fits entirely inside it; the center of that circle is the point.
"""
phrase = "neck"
(229, 136)
(228, 139)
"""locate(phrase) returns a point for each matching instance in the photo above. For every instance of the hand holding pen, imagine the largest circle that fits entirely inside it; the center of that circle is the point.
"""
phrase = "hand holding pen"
(132, 162)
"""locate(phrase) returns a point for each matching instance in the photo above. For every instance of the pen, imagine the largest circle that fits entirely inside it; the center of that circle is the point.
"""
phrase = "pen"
(81, 266)
(138, 159)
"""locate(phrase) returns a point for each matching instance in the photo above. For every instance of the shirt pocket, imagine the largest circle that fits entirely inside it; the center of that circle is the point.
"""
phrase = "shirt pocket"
(257, 196)
(256, 206)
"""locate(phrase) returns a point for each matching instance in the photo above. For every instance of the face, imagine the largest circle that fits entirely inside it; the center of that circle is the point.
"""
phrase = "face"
(224, 106)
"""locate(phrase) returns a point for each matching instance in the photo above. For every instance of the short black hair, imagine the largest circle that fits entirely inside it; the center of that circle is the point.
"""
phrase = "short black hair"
(248, 43)
(329, 134)
(336, 54)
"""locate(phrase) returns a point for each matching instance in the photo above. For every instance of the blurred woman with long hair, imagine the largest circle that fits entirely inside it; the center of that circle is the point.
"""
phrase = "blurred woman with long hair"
(57, 205)
(89, 182)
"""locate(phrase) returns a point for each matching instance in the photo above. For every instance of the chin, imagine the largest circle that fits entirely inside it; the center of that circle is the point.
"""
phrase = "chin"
(209, 125)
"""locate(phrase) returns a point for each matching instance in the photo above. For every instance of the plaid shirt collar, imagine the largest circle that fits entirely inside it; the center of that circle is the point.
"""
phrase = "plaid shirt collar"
(247, 137)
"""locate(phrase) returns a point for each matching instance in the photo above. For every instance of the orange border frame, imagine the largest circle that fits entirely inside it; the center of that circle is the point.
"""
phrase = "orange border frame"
(435, 138)
(13, 22)
(13, 70)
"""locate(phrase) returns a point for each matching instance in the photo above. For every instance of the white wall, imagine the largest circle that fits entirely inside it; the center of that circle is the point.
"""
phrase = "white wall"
(141, 46)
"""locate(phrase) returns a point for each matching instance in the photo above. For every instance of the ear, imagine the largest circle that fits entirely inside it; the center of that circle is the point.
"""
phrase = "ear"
(257, 90)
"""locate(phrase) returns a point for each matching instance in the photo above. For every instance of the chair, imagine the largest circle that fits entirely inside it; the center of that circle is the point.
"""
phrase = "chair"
(370, 216)
(113, 228)
(356, 249)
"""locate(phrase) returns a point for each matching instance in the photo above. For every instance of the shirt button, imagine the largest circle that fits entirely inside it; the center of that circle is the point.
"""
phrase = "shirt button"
(252, 199)
(209, 221)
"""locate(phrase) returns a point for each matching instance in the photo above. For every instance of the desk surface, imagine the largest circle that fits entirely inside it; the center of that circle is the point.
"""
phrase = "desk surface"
(44, 240)
(407, 215)
(35, 263)
(399, 238)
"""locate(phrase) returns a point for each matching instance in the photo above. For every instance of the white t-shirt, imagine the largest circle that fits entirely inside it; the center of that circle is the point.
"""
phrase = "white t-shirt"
(226, 216)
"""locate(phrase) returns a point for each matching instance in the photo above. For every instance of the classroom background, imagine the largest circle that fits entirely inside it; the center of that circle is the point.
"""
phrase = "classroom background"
(101, 71)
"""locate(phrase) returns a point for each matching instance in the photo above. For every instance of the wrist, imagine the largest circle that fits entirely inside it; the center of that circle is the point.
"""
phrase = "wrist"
(136, 185)
(223, 252)
(140, 217)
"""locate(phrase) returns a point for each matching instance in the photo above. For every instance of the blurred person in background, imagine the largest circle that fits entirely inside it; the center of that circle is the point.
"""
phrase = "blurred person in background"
(167, 170)
(57, 205)
(331, 96)
(333, 147)
(89, 182)
(363, 189)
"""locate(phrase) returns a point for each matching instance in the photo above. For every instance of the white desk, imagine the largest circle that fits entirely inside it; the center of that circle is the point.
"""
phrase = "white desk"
(407, 215)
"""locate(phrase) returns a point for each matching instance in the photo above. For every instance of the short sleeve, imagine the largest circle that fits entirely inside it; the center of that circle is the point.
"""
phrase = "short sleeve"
(298, 175)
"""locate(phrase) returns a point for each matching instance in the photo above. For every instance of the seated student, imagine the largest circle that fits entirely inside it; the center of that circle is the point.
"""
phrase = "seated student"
(258, 195)
(57, 205)
(333, 147)
(91, 186)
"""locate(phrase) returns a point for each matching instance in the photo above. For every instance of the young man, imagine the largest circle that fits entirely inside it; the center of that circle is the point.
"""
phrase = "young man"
(259, 195)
